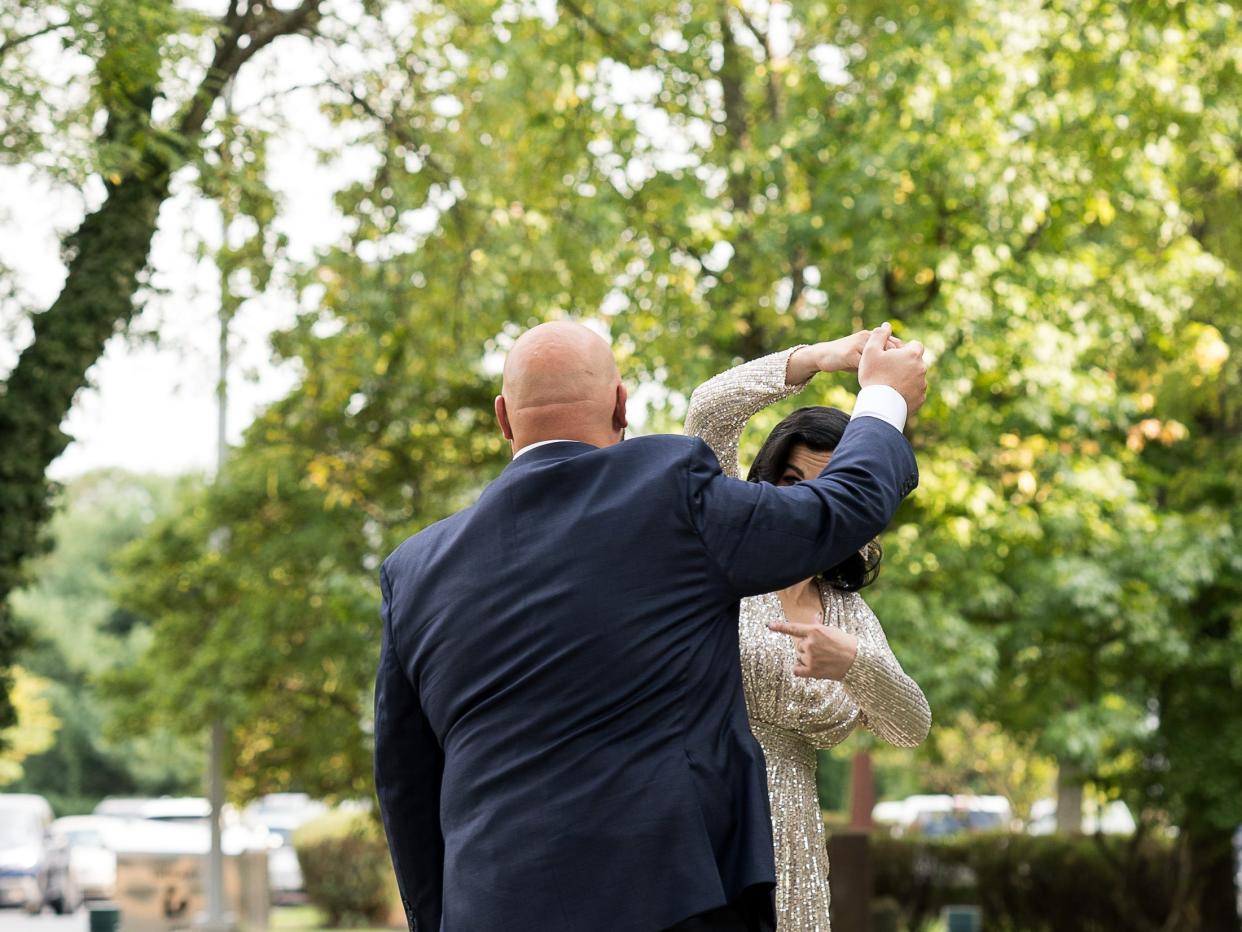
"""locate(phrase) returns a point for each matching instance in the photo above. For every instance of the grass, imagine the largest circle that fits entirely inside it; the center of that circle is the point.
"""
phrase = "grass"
(310, 919)
(306, 919)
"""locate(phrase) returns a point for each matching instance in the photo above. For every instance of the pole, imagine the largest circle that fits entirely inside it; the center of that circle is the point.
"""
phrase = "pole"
(216, 921)
(215, 861)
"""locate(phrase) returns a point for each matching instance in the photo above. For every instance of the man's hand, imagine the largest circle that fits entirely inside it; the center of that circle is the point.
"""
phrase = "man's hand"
(841, 355)
(901, 367)
(823, 653)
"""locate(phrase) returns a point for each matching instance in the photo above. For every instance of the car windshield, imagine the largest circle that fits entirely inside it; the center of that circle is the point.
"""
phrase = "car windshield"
(179, 819)
(84, 838)
(18, 828)
(984, 820)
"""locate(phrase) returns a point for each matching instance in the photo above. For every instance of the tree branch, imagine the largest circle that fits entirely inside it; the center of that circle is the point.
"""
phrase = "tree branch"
(283, 92)
(892, 294)
(1032, 239)
(9, 44)
(760, 36)
(400, 132)
(797, 279)
(617, 44)
(230, 55)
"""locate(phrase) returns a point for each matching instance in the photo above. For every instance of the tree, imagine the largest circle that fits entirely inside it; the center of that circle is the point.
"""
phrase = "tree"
(154, 128)
(77, 634)
(258, 626)
(1190, 383)
(1036, 190)
(35, 729)
(979, 756)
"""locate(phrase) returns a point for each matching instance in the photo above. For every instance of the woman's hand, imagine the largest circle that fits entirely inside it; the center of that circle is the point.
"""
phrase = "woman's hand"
(841, 355)
(823, 653)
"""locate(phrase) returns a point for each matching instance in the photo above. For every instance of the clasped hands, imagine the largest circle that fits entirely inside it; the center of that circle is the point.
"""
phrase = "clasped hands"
(879, 357)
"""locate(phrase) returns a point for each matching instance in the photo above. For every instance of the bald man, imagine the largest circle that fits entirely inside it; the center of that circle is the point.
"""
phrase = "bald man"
(561, 381)
(561, 740)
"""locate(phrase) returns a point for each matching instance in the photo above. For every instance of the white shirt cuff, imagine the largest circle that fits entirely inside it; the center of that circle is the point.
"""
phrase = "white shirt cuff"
(882, 401)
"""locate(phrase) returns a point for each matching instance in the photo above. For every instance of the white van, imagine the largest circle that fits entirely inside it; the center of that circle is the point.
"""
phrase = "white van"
(24, 822)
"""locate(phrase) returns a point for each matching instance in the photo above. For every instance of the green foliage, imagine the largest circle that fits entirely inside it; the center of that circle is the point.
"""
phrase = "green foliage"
(965, 755)
(262, 628)
(35, 729)
(132, 53)
(832, 778)
(1044, 193)
(346, 869)
(78, 634)
(1032, 884)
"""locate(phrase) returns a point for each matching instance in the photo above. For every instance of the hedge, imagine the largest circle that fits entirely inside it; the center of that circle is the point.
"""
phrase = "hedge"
(1029, 883)
(346, 869)
(1022, 883)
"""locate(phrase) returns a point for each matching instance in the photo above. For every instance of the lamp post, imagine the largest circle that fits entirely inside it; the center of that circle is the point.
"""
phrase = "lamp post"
(215, 919)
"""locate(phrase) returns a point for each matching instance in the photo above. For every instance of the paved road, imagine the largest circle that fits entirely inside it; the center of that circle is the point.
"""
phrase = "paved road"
(16, 920)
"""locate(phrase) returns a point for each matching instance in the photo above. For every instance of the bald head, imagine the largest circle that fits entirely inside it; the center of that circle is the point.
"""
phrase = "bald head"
(561, 383)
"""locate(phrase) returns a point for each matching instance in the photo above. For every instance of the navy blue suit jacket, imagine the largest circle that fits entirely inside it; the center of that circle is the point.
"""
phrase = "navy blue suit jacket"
(561, 741)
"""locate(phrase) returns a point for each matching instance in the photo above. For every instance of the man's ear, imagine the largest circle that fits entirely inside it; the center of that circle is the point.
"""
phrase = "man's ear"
(619, 419)
(502, 418)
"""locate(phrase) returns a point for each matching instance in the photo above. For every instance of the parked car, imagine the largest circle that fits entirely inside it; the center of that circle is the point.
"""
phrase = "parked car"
(1113, 818)
(939, 815)
(125, 807)
(193, 809)
(177, 810)
(81, 862)
(282, 814)
(24, 820)
(135, 816)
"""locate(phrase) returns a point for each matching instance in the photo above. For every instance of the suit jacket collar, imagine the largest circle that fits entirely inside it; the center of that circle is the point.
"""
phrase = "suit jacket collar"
(549, 453)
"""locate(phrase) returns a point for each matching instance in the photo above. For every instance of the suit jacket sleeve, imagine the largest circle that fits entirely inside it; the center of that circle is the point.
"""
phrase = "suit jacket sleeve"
(409, 765)
(764, 537)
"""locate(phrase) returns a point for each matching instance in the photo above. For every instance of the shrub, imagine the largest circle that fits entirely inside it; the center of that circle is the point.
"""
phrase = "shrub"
(1031, 883)
(346, 869)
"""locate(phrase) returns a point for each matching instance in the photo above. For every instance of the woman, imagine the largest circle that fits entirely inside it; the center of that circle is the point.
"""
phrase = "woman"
(790, 716)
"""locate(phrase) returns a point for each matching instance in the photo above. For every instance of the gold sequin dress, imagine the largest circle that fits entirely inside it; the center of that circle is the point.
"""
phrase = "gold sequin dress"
(792, 717)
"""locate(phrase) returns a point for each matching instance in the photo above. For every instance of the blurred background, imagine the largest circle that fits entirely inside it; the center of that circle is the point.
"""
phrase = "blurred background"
(259, 262)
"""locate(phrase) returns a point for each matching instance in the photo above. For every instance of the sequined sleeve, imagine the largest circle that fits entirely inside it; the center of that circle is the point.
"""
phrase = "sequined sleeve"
(721, 406)
(892, 704)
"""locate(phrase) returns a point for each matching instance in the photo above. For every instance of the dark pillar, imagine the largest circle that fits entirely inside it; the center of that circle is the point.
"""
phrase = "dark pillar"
(851, 880)
(862, 793)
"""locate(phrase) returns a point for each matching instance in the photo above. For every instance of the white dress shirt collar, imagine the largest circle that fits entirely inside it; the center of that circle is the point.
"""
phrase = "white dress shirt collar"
(541, 443)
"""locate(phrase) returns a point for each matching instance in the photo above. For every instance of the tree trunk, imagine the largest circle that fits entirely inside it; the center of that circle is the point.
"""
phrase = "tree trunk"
(106, 255)
(1069, 799)
(1212, 864)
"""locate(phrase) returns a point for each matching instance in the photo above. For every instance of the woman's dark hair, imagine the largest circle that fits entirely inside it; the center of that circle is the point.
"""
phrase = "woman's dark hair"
(819, 428)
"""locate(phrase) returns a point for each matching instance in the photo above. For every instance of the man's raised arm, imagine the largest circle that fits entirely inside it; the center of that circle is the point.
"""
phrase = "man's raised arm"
(765, 537)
